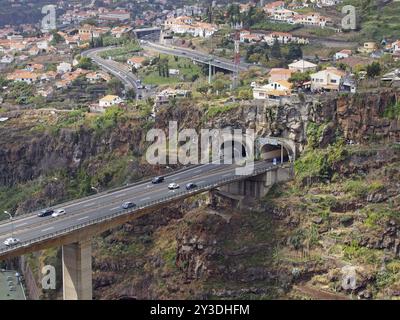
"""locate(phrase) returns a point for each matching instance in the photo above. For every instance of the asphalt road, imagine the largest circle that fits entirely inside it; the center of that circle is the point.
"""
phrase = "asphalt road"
(30, 226)
(120, 71)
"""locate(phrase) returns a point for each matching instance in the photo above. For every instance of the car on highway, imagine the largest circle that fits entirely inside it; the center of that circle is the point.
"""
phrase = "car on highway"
(58, 212)
(173, 186)
(190, 186)
(11, 242)
(157, 180)
(128, 205)
(45, 213)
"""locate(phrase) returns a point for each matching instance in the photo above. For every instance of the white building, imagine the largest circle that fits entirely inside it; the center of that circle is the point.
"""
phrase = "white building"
(343, 54)
(302, 66)
(7, 59)
(328, 79)
(109, 101)
(64, 67)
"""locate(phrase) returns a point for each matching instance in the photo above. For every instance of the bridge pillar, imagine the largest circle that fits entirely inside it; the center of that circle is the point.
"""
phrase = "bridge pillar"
(77, 271)
(257, 187)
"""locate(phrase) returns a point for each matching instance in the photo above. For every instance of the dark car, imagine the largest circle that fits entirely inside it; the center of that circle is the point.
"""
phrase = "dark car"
(45, 213)
(190, 186)
(157, 180)
(127, 205)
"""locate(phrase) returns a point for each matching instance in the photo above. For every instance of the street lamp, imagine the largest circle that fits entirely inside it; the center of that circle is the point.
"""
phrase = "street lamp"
(12, 223)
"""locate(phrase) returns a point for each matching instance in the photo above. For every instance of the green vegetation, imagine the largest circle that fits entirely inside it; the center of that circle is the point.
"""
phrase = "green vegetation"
(392, 111)
(158, 72)
(319, 163)
(273, 26)
(86, 63)
(361, 188)
(354, 252)
(378, 21)
(124, 53)
(215, 110)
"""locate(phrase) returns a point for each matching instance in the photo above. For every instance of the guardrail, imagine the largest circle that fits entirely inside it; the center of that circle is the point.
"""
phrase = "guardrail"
(146, 205)
(94, 196)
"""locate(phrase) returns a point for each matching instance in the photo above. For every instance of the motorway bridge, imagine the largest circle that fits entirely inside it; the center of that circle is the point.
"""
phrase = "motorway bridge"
(88, 217)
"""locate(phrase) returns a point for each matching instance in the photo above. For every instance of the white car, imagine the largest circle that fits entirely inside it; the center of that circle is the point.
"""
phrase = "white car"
(58, 212)
(173, 186)
(11, 241)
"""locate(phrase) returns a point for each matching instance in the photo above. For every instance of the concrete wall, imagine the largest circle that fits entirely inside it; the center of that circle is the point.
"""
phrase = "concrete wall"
(258, 186)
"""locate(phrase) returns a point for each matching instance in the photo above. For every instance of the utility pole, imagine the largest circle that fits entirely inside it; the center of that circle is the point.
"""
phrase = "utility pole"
(236, 60)
(209, 71)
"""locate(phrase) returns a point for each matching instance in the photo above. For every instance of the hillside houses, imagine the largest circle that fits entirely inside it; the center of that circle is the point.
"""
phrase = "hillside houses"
(188, 25)
(282, 37)
(277, 11)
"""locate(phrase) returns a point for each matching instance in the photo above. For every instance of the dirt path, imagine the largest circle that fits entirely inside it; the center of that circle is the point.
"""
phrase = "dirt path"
(318, 294)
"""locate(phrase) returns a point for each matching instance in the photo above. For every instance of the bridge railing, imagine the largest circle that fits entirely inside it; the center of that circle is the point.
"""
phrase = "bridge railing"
(174, 196)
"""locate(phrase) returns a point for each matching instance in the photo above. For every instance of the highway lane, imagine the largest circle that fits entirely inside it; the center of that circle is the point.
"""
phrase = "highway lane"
(101, 199)
(204, 176)
(123, 73)
(196, 55)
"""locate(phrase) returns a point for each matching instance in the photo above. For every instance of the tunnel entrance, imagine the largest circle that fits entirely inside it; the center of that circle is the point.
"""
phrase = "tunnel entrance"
(270, 152)
(232, 151)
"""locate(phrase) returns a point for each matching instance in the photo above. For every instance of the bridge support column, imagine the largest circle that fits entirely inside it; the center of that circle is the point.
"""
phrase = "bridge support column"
(77, 271)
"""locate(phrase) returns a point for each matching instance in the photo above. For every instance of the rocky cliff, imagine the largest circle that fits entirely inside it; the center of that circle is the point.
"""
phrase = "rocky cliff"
(302, 240)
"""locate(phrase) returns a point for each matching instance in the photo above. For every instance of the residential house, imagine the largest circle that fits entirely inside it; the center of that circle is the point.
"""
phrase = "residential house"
(165, 95)
(249, 37)
(312, 19)
(109, 100)
(23, 76)
(271, 7)
(64, 67)
(281, 37)
(277, 89)
(368, 47)
(302, 66)
(278, 74)
(284, 15)
(136, 62)
(345, 53)
(328, 79)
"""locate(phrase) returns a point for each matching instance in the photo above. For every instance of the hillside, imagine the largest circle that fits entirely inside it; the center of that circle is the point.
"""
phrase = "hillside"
(340, 216)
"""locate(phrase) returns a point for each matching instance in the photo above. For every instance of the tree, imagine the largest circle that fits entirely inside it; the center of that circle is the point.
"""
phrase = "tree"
(294, 53)
(299, 78)
(57, 38)
(373, 70)
(114, 86)
(276, 50)
(203, 89)
(86, 63)
(131, 94)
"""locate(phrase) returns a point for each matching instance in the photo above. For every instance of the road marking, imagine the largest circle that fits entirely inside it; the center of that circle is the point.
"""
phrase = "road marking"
(82, 218)
(114, 208)
(89, 204)
(47, 229)
(147, 198)
(122, 194)
(228, 174)
(22, 224)
(202, 181)
(197, 171)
